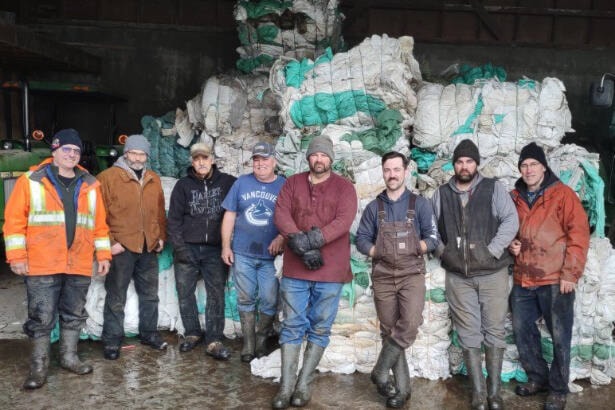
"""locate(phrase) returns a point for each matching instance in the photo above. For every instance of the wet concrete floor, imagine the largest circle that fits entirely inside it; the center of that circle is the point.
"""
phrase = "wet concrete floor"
(146, 379)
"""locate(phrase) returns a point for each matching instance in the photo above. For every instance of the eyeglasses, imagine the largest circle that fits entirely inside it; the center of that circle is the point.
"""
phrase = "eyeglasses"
(68, 150)
(532, 165)
(137, 154)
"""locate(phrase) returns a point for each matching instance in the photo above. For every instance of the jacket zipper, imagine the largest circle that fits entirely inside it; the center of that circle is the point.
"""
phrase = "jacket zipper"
(206, 206)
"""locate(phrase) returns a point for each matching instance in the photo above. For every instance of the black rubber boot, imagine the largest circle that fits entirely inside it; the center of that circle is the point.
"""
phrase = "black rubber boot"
(473, 360)
(39, 363)
(311, 358)
(290, 362)
(68, 353)
(263, 330)
(247, 320)
(493, 359)
(386, 360)
(402, 381)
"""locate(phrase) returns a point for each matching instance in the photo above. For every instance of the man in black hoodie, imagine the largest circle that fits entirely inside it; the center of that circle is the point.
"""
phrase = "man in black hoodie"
(195, 216)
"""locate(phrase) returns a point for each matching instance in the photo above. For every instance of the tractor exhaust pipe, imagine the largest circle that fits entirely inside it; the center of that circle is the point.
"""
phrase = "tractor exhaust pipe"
(26, 115)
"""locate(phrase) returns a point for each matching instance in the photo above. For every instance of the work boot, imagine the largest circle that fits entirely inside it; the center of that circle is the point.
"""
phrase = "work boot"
(473, 360)
(386, 360)
(263, 330)
(290, 361)
(311, 358)
(68, 352)
(555, 401)
(493, 359)
(402, 380)
(247, 328)
(530, 388)
(39, 363)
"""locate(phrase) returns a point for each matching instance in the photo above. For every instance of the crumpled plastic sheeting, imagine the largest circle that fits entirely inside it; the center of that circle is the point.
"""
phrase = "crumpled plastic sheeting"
(501, 117)
(265, 35)
(382, 68)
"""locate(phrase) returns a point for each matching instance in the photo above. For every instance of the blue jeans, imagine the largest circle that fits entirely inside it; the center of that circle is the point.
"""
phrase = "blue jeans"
(203, 261)
(528, 305)
(255, 281)
(143, 269)
(309, 308)
(55, 295)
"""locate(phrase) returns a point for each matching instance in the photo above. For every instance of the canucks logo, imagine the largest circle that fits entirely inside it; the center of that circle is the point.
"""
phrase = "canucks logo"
(258, 214)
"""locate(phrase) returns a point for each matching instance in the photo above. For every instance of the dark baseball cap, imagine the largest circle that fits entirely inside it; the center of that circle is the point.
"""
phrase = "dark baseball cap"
(262, 149)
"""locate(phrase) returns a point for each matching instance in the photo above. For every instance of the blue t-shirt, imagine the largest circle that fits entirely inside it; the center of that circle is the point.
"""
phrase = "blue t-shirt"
(253, 202)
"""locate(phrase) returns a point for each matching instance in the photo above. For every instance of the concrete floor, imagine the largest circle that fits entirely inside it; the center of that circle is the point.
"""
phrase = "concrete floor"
(146, 379)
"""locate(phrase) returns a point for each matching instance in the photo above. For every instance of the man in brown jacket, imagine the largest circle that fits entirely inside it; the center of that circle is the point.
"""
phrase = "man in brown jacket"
(134, 201)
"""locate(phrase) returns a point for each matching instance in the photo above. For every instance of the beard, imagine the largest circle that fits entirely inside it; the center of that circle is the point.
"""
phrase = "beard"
(466, 177)
(136, 165)
(319, 168)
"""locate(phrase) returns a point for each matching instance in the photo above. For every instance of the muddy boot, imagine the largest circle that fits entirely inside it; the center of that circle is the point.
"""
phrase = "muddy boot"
(247, 328)
(386, 360)
(39, 363)
(402, 380)
(263, 329)
(493, 358)
(473, 361)
(68, 353)
(311, 358)
(290, 361)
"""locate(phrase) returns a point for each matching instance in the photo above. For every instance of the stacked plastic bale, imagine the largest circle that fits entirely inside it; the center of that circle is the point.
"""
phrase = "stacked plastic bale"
(364, 101)
(270, 29)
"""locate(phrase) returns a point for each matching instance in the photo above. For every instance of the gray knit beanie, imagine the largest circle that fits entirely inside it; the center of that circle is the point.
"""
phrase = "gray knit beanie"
(466, 148)
(323, 144)
(137, 142)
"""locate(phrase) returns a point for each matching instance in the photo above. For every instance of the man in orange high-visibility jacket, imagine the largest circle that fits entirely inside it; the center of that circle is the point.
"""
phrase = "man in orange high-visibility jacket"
(55, 225)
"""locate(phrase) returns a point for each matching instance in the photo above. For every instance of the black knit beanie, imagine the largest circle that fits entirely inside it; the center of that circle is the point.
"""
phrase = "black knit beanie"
(532, 150)
(65, 137)
(466, 148)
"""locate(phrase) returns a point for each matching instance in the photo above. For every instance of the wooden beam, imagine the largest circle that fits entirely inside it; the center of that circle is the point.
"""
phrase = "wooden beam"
(486, 19)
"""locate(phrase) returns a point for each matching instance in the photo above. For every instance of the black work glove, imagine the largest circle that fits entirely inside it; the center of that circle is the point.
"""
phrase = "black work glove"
(317, 240)
(183, 254)
(299, 243)
(312, 259)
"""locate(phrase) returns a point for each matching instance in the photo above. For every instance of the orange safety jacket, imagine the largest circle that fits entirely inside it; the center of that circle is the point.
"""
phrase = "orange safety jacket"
(34, 228)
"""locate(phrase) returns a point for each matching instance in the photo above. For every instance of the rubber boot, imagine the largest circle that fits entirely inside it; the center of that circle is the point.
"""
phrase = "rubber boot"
(68, 353)
(290, 361)
(247, 320)
(402, 380)
(386, 360)
(493, 358)
(39, 363)
(311, 358)
(473, 361)
(263, 330)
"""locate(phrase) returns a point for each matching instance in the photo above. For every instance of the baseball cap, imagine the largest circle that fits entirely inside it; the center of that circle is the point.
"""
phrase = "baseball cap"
(263, 149)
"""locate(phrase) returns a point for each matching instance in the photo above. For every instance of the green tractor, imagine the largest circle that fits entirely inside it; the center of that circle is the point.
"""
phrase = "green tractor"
(601, 96)
(17, 155)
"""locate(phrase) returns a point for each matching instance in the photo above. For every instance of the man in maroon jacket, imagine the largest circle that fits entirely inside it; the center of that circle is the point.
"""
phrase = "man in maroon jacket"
(314, 212)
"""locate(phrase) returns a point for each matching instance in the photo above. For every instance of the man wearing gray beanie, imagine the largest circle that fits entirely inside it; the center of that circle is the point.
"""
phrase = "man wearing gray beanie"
(137, 223)
(477, 221)
(316, 224)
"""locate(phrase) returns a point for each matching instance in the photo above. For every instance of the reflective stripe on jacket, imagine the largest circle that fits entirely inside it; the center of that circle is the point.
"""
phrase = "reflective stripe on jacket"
(34, 230)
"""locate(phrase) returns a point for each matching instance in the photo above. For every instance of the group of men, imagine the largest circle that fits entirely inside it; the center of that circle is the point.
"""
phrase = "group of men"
(59, 217)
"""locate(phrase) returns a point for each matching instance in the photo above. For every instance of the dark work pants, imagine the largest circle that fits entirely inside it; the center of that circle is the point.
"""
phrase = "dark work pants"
(528, 305)
(55, 295)
(143, 269)
(205, 263)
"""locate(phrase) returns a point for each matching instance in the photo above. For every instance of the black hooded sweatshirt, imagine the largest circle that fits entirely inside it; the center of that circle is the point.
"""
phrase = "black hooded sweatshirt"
(195, 210)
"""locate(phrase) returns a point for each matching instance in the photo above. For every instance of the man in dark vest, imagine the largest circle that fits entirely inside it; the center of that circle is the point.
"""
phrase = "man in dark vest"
(477, 220)
(396, 230)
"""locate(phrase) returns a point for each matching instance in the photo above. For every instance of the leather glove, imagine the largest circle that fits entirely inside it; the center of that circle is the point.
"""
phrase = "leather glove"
(299, 243)
(312, 259)
(317, 240)
(183, 254)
